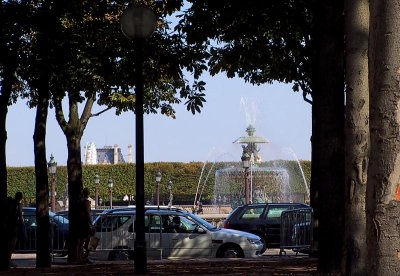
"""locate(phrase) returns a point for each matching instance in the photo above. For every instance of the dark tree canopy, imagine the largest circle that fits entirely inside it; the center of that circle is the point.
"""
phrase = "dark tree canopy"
(261, 42)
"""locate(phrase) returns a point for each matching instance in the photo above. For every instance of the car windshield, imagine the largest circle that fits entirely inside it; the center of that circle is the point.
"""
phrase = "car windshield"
(58, 218)
(276, 212)
(202, 222)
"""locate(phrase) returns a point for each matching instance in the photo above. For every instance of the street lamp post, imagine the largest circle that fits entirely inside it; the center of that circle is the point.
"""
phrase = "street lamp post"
(171, 196)
(110, 185)
(138, 23)
(158, 180)
(96, 187)
(246, 165)
(251, 177)
(52, 165)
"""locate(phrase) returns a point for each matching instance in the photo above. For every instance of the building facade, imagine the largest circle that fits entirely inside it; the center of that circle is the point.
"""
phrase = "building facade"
(105, 155)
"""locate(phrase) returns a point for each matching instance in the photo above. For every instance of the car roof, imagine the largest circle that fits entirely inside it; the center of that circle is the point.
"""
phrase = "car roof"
(276, 204)
(31, 211)
(148, 209)
(93, 211)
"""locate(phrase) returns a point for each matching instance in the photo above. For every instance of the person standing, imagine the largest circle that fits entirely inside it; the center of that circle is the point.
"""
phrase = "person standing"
(200, 208)
(15, 223)
(86, 228)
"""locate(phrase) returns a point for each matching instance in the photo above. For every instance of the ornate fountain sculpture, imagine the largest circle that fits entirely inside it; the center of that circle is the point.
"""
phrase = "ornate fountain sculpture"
(250, 156)
(251, 142)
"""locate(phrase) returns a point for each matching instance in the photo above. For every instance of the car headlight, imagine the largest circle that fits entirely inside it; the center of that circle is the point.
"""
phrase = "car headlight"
(255, 241)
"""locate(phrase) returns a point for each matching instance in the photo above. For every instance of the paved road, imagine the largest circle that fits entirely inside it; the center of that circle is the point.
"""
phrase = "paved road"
(260, 266)
(29, 260)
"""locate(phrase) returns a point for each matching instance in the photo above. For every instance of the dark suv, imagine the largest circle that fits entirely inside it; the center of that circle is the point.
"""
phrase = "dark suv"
(263, 219)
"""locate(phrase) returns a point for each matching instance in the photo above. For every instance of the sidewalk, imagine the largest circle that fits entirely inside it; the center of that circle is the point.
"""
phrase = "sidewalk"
(269, 264)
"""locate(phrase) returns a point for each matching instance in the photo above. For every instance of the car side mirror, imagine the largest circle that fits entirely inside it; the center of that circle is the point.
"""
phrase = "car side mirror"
(199, 230)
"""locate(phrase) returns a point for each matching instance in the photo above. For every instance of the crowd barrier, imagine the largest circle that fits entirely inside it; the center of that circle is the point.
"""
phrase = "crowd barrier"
(296, 230)
(58, 236)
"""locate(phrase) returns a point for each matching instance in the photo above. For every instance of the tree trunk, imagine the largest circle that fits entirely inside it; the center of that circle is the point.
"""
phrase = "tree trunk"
(75, 186)
(73, 130)
(42, 187)
(327, 177)
(4, 100)
(9, 65)
(383, 206)
(357, 135)
(39, 143)
(42, 183)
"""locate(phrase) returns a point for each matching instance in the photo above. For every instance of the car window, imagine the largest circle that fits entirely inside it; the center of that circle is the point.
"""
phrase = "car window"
(178, 224)
(276, 212)
(187, 224)
(167, 224)
(111, 222)
(198, 221)
(152, 223)
(252, 213)
(30, 221)
(59, 219)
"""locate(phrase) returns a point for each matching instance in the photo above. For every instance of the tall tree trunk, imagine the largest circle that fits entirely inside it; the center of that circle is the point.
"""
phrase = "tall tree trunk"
(5, 93)
(9, 63)
(39, 143)
(75, 186)
(383, 206)
(42, 184)
(357, 135)
(327, 177)
(73, 130)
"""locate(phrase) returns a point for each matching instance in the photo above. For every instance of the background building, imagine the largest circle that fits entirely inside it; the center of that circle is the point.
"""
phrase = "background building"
(105, 155)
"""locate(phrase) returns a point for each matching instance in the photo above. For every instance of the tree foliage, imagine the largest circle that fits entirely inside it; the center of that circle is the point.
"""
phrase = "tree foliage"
(262, 42)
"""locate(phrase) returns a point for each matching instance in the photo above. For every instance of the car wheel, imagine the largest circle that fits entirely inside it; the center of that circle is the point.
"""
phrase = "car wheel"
(120, 255)
(230, 251)
(264, 240)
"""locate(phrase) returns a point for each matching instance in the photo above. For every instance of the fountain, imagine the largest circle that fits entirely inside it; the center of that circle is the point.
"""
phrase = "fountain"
(254, 180)
(290, 150)
(266, 181)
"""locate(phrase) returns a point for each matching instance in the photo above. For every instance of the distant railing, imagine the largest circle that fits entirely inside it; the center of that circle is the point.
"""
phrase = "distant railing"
(206, 209)
(296, 230)
(209, 209)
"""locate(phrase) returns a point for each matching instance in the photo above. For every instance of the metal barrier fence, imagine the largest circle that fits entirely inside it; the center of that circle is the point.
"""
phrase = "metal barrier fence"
(296, 230)
(58, 235)
(115, 231)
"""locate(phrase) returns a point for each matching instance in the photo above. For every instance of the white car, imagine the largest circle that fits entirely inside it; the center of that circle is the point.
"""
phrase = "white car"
(170, 233)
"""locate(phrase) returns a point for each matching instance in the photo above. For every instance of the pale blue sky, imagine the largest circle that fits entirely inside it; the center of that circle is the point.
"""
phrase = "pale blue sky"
(277, 113)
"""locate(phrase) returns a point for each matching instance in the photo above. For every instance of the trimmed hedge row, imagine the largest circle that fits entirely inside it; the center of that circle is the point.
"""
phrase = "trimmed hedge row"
(184, 176)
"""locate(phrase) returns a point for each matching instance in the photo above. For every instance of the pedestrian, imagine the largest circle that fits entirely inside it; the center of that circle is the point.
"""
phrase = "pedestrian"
(86, 227)
(200, 208)
(16, 225)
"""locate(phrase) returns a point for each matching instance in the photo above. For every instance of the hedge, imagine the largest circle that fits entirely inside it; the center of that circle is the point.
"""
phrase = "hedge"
(184, 176)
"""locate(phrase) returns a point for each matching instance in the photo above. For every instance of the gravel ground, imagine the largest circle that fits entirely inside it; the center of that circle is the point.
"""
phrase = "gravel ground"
(265, 265)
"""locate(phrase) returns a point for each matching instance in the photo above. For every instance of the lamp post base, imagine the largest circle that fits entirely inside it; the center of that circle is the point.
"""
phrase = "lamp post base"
(140, 265)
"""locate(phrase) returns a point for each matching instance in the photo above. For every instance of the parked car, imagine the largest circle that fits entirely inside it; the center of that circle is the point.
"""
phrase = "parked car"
(59, 226)
(262, 219)
(170, 233)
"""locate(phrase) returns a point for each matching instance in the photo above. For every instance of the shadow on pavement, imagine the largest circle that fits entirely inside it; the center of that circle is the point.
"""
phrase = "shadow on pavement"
(269, 264)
